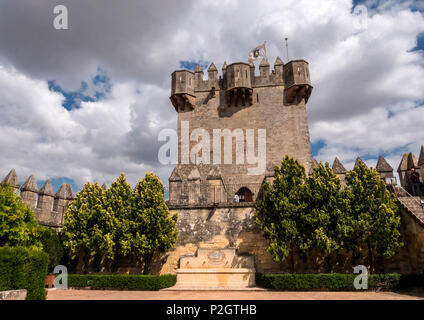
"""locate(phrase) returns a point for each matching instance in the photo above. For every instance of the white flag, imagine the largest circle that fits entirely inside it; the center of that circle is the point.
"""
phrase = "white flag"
(257, 53)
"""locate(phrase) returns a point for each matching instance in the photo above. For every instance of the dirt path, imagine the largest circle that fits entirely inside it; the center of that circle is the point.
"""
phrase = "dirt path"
(227, 295)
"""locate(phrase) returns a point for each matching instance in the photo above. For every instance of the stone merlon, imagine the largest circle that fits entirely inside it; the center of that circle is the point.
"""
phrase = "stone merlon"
(47, 189)
(338, 167)
(12, 179)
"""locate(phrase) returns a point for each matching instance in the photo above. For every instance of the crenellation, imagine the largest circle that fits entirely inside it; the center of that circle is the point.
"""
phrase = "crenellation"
(62, 198)
(48, 207)
(264, 68)
(45, 202)
(12, 180)
(29, 192)
(213, 81)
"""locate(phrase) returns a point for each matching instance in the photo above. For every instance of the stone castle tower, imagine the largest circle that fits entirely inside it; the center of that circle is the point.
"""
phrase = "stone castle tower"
(271, 104)
(250, 122)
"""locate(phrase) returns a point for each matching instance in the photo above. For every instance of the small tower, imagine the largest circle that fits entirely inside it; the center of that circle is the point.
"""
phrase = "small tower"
(421, 162)
(104, 186)
(175, 185)
(278, 67)
(421, 158)
(213, 76)
(239, 86)
(412, 161)
(46, 197)
(29, 192)
(224, 76)
(12, 180)
(61, 201)
(339, 170)
(194, 185)
(182, 90)
(403, 170)
(385, 170)
(297, 81)
(264, 68)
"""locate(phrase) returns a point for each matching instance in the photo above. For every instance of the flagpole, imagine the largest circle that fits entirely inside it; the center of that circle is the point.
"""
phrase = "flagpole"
(287, 49)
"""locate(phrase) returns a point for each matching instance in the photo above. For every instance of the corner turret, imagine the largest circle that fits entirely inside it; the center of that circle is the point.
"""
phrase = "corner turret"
(182, 90)
(297, 81)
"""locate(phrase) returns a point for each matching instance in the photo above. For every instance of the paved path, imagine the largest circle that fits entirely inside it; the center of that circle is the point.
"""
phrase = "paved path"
(227, 295)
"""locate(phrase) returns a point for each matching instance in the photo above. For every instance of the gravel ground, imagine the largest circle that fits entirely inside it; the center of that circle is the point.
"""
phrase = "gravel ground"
(71, 294)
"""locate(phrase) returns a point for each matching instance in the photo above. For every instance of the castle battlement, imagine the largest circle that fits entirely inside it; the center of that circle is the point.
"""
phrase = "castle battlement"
(49, 207)
(238, 83)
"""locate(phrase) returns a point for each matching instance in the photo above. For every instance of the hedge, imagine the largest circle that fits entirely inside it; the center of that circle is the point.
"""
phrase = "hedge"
(24, 268)
(337, 281)
(122, 281)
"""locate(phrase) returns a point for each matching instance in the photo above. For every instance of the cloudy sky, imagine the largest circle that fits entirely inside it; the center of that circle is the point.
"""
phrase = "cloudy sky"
(87, 103)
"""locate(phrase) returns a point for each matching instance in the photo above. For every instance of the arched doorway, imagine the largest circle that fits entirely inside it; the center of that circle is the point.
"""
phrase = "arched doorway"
(245, 195)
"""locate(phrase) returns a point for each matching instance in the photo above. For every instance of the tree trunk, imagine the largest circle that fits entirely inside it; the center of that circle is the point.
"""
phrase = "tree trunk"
(86, 260)
(370, 258)
(292, 257)
(147, 260)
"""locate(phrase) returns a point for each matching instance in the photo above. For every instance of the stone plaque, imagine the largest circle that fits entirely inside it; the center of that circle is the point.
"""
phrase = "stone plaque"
(216, 257)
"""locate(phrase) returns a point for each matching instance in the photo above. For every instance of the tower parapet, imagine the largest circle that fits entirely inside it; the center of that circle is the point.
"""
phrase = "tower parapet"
(239, 82)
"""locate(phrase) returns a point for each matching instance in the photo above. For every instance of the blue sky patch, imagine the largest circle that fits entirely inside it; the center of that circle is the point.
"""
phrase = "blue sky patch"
(420, 42)
(57, 182)
(191, 65)
(99, 86)
(316, 147)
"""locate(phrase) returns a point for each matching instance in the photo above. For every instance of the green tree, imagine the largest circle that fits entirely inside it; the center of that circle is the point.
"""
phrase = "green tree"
(324, 222)
(18, 226)
(89, 224)
(51, 245)
(374, 216)
(150, 229)
(279, 209)
(118, 198)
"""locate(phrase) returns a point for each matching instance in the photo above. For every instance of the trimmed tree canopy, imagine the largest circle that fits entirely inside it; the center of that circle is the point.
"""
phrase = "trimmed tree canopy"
(18, 226)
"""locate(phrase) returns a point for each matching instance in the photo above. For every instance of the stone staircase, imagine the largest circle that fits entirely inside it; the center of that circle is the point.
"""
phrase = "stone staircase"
(414, 205)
